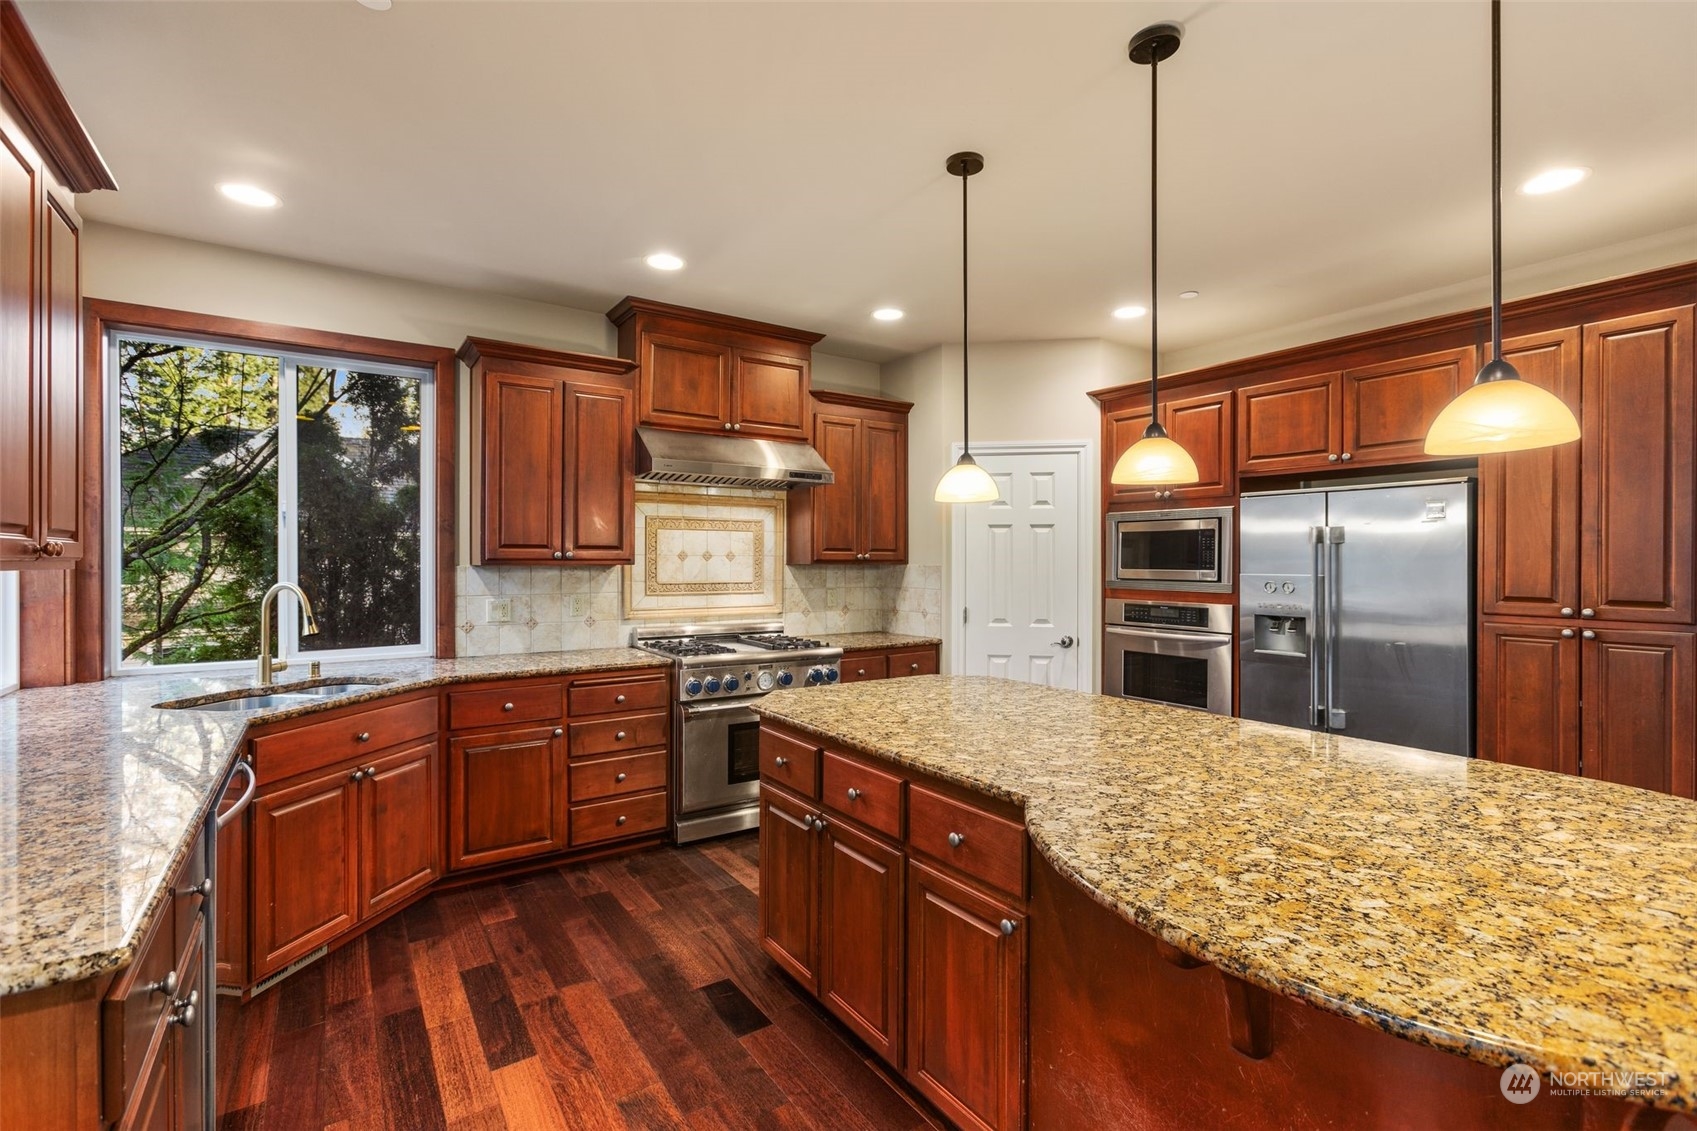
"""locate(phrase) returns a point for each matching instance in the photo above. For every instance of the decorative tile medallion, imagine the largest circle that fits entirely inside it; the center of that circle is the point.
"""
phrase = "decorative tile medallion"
(706, 554)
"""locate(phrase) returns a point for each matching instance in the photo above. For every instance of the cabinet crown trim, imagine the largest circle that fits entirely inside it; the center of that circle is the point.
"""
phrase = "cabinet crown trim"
(632, 306)
(477, 350)
(862, 400)
(29, 83)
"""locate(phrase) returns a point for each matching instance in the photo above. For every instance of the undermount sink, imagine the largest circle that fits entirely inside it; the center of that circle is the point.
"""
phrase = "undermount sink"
(324, 689)
(290, 697)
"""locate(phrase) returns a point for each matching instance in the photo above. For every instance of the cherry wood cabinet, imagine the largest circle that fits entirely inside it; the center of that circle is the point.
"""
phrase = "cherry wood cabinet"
(507, 795)
(1294, 424)
(399, 829)
(707, 372)
(305, 866)
(789, 883)
(553, 471)
(862, 517)
(1201, 424)
(966, 1000)
(1640, 699)
(1529, 690)
(1120, 430)
(888, 663)
(1388, 407)
(861, 890)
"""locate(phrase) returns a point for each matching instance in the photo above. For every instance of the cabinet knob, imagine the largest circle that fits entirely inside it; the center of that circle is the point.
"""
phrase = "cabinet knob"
(807, 821)
(618, 698)
(363, 736)
(357, 775)
(1345, 457)
(956, 840)
(736, 427)
(1567, 610)
(558, 731)
(1007, 926)
(166, 985)
(1589, 634)
(913, 667)
(202, 889)
(558, 555)
(619, 737)
(1333, 458)
(780, 761)
(1587, 612)
(571, 553)
(853, 794)
(506, 706)
(819, 823)
(727, 426)
(1567, 634)
(620, 819)
(184, 1009)
(371, 771)
(861, 673)
(619, 777)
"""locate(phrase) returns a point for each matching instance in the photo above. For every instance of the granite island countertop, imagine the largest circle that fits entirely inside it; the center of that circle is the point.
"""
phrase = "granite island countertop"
(859, 641)
(102, 795)
(1497, 912)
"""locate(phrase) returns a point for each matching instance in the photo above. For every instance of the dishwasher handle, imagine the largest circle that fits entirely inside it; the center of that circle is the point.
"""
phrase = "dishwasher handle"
(242, 801)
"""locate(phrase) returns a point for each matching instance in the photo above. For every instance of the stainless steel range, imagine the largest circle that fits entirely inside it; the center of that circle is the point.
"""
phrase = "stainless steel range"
(717, 671)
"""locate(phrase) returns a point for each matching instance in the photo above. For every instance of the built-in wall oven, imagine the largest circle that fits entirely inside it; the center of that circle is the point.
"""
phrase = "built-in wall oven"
(1171, 549)
(1178, 653)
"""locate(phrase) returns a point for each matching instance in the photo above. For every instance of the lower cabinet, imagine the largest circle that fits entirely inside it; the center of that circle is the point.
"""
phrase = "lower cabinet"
(860, 936)
(887, 663)
(506, 795)
(400, 842)
(789, 884)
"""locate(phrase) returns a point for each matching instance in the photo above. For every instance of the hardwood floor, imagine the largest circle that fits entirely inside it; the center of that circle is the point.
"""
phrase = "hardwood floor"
(620, 994)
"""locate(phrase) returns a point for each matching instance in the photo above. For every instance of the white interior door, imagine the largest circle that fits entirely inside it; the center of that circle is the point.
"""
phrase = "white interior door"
(1022, 569)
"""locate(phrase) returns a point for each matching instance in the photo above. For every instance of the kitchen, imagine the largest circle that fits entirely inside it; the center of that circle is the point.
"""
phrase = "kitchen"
(396, 760)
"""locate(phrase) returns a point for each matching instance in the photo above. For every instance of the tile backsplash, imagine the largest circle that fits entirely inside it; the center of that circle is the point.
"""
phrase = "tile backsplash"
(554, 607)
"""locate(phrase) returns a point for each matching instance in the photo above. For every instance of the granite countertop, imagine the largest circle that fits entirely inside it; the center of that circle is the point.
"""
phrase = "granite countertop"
(1500, 913)
(102, 796)
(855, 641)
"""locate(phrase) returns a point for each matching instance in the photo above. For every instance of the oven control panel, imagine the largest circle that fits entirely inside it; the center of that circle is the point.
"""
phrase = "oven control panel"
(705, 682)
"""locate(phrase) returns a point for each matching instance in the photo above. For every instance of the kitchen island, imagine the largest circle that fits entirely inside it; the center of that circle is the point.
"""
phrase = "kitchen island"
(1240, 924)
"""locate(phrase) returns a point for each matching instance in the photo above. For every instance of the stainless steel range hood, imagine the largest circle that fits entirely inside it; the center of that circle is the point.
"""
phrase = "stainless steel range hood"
(727, 461)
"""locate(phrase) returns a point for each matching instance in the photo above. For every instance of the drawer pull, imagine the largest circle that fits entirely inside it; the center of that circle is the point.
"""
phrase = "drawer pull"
(621, 819)
(184, 1009)
(619, 737)
(363, 736)
(853, 794)
(202, 889)
(861, 672)
(618, 698)
(506, 706)
(1007, 926)
(558, 731)
(780, 761)
(956, 840)
(619, 777)
(913, 667)
(166, 985)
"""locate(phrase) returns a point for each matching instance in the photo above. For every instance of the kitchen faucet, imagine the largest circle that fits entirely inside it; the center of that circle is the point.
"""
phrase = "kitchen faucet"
(267, 665)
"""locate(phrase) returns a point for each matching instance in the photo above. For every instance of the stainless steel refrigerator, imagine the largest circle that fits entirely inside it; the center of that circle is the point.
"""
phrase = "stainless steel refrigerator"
(1355, 612)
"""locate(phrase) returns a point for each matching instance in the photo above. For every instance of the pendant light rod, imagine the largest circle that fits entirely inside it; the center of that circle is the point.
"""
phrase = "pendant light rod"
(1154, 238)
(1496, 180)
(964, 165)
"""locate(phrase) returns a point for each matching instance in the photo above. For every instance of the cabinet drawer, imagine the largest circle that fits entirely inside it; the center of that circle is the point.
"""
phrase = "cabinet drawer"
(615, 695)
(610, 736)
(619, 817)
(188, 895)
(991, 849)
(134, 1009)
(609, 777)
(872, 665)
(499, 706)
(789, 762)
(877, 794)
(920, 661)
(313, 746)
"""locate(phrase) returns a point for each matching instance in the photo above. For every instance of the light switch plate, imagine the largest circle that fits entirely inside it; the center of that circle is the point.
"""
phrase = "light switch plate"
(500, 610)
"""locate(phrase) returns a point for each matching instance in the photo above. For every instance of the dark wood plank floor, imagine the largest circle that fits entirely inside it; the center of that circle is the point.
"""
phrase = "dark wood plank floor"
(620, 994)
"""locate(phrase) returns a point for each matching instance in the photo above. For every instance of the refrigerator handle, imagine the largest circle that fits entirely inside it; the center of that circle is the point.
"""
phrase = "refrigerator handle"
(1336, 717)
(1316, 707)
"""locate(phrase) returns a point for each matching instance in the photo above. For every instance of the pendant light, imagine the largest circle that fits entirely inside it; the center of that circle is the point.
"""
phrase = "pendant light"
(1499, 412)
(1156, 458)
(965, 482)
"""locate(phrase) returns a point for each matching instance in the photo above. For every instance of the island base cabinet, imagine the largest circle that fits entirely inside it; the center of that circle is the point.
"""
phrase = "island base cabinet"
(860, 961)
(966, 1002)
(789, 885)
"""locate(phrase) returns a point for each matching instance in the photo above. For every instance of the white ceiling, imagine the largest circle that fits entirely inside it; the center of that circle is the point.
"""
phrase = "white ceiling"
(1317, 157)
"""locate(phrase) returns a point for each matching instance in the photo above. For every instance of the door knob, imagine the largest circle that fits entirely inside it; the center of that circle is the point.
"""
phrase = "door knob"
(1063, 642)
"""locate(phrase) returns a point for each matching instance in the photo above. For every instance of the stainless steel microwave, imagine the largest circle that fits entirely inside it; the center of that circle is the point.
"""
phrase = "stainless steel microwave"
(1177, 549)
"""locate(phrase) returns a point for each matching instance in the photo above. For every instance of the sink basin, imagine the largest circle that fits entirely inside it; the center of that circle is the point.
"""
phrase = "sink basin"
(244, 703)
(324, 689)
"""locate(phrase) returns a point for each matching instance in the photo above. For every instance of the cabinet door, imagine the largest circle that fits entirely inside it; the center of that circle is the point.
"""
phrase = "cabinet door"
(61, 382)
(600, 491)
(883, 490)
(400, 827)
(1640, 698)
(684, 383)
(1640, 484)
(833, 509)
(1529, 695)
(860, 897)
(506, 796)
(770, 392)
(1290, 425)
(1203, 427)
(1529, 501)
(521, 490)
(1120, 431)
(20, 465)
(789, 885)
(184, 1044)
(305, 868)
(1387, 408)
(965, 1001)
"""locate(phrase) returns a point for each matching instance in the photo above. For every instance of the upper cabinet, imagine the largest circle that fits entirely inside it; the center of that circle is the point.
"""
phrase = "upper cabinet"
(44, 158)
(553, 464)
(1201, 424)
(862, 517)
(705, 372)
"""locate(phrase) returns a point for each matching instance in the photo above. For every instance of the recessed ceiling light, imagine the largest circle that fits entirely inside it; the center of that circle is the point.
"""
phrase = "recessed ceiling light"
(1554, 180)
(1127, 312)
(664, 261)
(1189, 294)
(888, 314)
(251, 195)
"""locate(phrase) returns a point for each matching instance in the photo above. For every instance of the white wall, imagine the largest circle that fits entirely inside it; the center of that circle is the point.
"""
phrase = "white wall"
(11, 611)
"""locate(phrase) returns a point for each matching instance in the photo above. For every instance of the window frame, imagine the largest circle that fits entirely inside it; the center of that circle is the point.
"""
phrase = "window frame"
(437, 369)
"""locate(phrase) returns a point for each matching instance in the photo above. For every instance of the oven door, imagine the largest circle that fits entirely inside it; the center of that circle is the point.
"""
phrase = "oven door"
(1180, 669)
(1168, 552)
(720, 760)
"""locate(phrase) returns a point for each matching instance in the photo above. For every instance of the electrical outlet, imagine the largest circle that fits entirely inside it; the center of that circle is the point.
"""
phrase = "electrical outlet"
(580, 605)
(500, 610)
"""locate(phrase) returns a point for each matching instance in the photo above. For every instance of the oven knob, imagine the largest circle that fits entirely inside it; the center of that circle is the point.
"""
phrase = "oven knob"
(765, 681)
(817, 675)
(830, 675)
(732, 683)
(785, 679)
(712, 684)
(693, 687)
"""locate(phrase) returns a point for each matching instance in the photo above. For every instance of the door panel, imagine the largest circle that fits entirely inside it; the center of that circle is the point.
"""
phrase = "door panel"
(1529, 501)
(600, 494)
(1640, 476)
(400, 828)
(1387, 408)
(506, 796)
(685, 383)
(861, 895)
(1275, 547)
(522, 457)
(20, 195)
(1203, 427)
(1290, 425)
(61, 395)
(1640, 702)
(1529, 695)
(883, 491)
(789, 885)
(771, 395)
(836, 529)
(305, 882)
